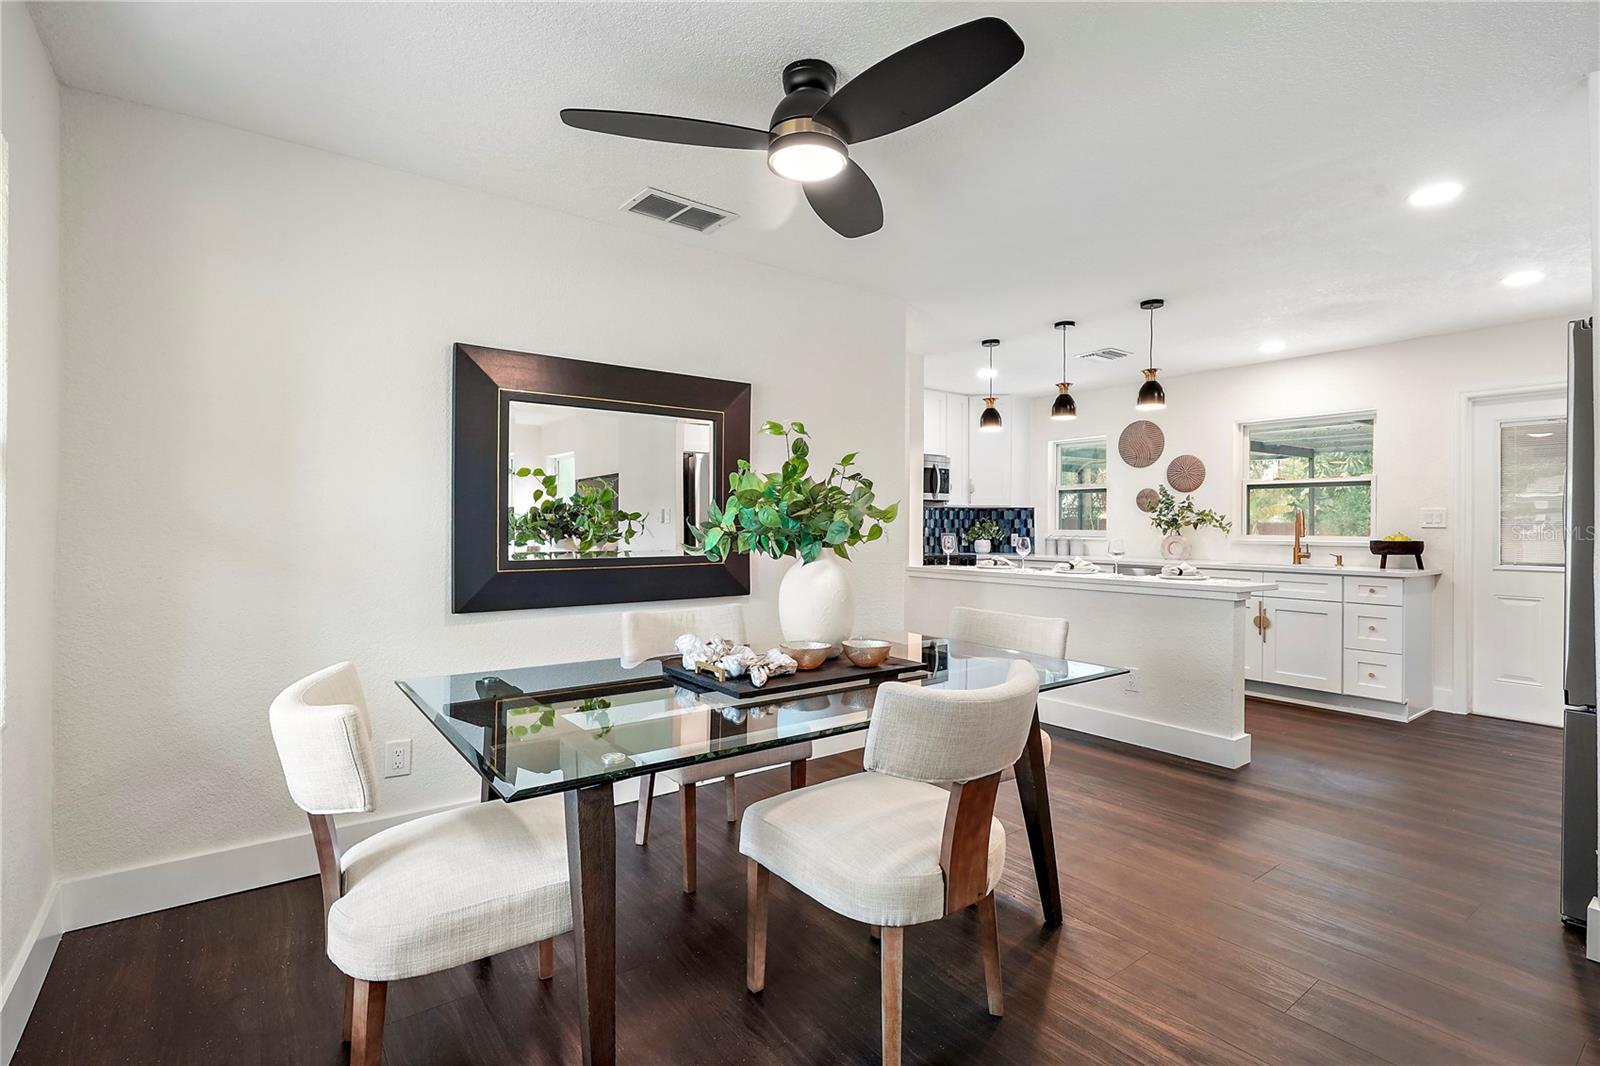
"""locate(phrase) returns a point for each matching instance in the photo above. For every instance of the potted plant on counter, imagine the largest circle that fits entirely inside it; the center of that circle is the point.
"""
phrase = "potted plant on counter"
(791, 513)
(1172, 516)
(983, 533)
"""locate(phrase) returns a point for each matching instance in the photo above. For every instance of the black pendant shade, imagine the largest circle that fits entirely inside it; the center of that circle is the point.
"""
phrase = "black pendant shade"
(989, 421)
(1065, 408)
(1152, 397)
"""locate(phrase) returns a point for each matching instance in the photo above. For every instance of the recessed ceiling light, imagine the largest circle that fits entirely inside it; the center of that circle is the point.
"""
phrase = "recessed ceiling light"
(1435, 194)
(1521, 279)
(1272, 347)
(986, 372)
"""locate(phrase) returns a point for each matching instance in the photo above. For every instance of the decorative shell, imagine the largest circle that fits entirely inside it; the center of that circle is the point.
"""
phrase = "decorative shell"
(1186, 473)
(1141, 443)
(1147, 500)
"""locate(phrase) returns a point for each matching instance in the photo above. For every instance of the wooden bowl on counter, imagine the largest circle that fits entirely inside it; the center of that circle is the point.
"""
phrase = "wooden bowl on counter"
(807, 654)
(865, 651)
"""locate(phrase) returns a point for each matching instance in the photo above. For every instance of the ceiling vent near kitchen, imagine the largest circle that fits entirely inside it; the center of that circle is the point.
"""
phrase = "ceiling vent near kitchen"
(1105, 355)
(678, 210)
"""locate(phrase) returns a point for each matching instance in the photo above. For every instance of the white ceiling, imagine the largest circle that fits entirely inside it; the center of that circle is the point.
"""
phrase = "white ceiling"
(1247, 162)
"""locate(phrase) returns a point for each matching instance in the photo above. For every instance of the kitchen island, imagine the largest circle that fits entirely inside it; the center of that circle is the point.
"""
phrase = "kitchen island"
(1185, 641)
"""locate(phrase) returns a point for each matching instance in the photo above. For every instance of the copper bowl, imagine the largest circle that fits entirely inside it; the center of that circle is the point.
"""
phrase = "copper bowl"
(864, 651)
(807, 654)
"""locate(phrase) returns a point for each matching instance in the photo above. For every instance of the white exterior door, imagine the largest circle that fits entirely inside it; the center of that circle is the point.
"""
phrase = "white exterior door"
(1518, 484)
(1305, 644)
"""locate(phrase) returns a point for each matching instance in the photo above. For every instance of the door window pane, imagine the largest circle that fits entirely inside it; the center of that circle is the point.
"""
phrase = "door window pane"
(1533, 480)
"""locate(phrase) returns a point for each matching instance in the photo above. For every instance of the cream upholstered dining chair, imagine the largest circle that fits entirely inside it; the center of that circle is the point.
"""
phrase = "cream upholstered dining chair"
(891, 847)
(1030, 634)
(650, 634)
(423, 896)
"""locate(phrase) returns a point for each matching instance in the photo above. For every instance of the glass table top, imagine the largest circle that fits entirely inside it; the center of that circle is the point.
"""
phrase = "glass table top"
(534, 730)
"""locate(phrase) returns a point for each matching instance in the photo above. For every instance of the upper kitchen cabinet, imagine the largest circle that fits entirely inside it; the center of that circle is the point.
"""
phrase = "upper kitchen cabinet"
(935, 428)
(986, 469)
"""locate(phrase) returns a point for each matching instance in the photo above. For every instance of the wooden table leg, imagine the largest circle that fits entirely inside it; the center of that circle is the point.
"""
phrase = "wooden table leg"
(592, 866)
(1034, 792)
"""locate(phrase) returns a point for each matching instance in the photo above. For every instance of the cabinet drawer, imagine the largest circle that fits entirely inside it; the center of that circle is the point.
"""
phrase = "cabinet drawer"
(1373, 590)
(1232, 575)
(1305, 586)
(1375, 675)
(1372, 627)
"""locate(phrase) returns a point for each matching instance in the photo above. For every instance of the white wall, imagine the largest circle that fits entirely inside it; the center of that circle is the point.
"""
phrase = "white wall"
(1416, 387)
(30, 122)
(256, 477)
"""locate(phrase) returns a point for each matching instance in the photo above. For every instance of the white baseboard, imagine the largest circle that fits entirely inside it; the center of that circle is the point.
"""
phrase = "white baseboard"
(1230, 752)
(21, 987)
(1591, 943)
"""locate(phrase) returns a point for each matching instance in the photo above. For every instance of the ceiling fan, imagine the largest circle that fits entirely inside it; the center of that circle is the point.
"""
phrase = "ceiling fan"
(813, 126)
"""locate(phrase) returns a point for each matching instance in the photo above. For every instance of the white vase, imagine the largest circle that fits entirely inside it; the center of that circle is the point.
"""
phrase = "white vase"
(816, 602)
(981, 547)
(1176, 547)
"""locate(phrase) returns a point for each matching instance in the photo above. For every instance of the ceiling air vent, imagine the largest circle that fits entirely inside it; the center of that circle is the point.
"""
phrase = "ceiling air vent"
(678, 210)
(1105, 355)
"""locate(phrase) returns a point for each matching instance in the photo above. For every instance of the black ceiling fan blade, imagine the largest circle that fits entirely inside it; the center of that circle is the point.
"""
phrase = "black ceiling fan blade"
(848, 202)
(922, 79)
(669, 128)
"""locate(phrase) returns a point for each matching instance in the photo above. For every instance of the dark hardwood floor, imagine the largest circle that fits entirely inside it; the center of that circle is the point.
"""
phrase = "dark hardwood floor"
(1362, 892)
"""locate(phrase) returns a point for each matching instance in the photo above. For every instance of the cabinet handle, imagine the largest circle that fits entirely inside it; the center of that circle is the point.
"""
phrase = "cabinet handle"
(1370, 674)
(1372, 629)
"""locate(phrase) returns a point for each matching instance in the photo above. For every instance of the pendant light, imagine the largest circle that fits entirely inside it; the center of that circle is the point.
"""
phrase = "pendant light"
(1152, 397)
(1065, 408)
(989, 421)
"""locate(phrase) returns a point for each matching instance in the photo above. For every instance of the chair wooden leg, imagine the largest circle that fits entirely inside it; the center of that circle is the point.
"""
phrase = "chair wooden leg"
(547, 959)
(755, 882)
(366, 1031)
(893, 958)
(349, 1006)
(647, 788)
(797, 774)
(732, 798)
(688, 820)
(989, 935)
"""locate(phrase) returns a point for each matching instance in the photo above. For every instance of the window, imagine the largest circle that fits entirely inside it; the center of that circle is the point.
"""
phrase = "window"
(1080, 484)
(1319, 467)
(1533, 487)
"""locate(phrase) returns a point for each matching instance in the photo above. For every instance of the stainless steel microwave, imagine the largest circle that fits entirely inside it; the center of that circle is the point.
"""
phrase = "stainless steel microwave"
(936, 478)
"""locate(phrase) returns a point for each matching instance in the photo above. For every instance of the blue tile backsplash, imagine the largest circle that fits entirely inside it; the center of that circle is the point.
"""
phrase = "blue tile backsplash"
(937, 520)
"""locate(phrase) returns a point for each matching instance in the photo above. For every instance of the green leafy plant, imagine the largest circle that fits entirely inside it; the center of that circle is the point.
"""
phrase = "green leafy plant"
(1171, 515)
(590, 517)
(984, 529)
(789, 512)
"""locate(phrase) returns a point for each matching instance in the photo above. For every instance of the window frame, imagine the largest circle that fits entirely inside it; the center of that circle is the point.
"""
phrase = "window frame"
(1056, 488)
(1246, 483)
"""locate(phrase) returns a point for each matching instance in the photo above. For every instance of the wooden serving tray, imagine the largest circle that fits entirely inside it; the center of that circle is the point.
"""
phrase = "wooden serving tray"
(833, 672)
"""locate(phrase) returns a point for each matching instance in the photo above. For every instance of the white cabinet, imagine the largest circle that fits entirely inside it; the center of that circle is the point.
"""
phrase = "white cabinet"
(935, 428)
(1255, 642)
(1305, 644)
(1373, 627)
(956, 432)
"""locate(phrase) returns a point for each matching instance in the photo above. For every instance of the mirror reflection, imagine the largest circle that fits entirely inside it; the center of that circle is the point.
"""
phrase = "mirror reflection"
(588, 483)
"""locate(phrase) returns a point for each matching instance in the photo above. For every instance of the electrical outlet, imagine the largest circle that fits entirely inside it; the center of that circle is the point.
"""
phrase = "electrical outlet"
(397, 758)
(1132, 683)
(1433, 518)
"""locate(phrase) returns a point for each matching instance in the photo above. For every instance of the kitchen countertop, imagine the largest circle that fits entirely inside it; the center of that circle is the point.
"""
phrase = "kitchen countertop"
(1253, 567)
(1105, 581)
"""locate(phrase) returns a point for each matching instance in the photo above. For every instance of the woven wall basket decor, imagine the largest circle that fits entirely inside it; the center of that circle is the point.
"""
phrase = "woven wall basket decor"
(1141, 443)
(1186, 473)
(1147, 500)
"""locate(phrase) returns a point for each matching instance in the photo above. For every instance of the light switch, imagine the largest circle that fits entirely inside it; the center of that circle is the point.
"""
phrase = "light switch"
(1433, 518)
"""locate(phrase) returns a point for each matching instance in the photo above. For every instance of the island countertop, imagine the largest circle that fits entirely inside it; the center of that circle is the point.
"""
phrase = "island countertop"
(1210, 588)
(1251, 566)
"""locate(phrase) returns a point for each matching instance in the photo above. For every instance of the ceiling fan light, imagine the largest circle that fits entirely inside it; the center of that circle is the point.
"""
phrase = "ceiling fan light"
(1065, 407)
(1152, 397)
(807, 155)
(989, 421)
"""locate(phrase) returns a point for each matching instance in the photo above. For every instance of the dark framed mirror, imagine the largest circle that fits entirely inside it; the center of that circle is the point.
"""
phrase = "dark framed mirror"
(575, 482)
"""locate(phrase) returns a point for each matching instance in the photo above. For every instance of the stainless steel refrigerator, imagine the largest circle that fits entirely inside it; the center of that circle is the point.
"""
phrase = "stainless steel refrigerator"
(1578, 784)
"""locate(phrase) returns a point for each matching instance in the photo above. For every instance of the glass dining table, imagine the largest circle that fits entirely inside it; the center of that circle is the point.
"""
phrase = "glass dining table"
(578, 728)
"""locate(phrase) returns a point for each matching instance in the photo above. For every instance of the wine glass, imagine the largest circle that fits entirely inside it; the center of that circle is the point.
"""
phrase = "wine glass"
(1117, 550)
(1024, 547)
(947, 544)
